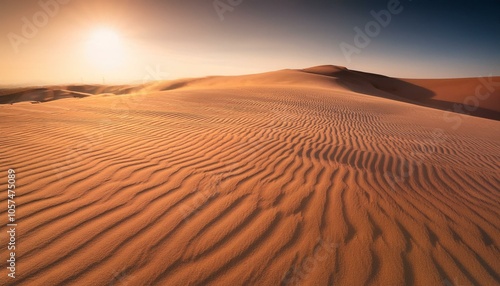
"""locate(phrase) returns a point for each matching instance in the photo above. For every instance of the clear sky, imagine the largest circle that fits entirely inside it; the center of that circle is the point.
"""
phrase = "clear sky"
(129, 41)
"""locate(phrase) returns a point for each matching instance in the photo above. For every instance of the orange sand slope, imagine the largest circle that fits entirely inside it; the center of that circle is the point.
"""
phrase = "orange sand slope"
(472, 96)
(290, 177)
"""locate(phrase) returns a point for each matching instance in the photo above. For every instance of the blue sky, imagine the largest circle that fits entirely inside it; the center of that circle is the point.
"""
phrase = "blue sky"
(191, 38)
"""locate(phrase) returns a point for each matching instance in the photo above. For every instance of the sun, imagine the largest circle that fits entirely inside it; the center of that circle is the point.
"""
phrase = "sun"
(105, 49)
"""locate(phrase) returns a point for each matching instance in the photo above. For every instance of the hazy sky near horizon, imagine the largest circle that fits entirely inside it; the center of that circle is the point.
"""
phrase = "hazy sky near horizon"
(161, 39)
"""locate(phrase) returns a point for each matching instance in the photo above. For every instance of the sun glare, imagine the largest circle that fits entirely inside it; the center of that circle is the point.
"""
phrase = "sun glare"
(105, 49)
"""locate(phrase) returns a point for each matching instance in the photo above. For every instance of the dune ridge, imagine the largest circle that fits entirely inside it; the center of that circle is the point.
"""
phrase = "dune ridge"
(282, 178)
(471, 96)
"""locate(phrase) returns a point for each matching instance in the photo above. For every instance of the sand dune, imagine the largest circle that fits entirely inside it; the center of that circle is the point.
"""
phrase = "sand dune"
(50, 93)
(283, 178)
(473, 96)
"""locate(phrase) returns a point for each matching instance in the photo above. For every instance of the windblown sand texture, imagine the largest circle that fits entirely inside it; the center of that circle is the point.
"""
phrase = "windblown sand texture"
(310, 177)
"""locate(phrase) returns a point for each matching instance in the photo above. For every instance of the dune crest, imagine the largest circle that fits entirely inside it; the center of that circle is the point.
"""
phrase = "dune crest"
(472, 96)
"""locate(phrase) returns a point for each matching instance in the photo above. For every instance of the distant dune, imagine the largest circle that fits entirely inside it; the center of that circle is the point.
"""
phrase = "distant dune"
(472, 96)
(50, 93)
(321, 176)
